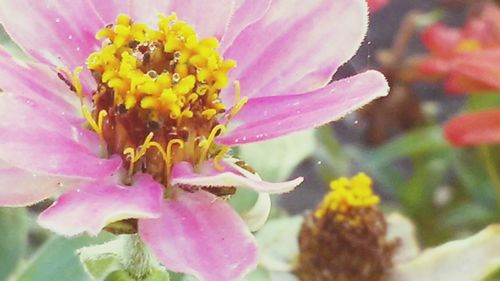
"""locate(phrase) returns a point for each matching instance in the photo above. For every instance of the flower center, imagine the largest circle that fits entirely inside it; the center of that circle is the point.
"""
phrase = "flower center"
(157, 101)
(348, 198)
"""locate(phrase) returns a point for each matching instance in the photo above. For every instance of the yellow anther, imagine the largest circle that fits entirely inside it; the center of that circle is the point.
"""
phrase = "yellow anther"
(219, 156)
(348, 193)
(123, 19)
(205, 145)
(139, 71)
(209, 113)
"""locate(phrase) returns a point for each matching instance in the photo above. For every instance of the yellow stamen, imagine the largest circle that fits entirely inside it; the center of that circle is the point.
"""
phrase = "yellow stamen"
(239, 102)
(191, 68)
(168, 156)
(219, 156)
(205, 145)
(75, 81)
(96, 126)
(135, 155)
(347, 194)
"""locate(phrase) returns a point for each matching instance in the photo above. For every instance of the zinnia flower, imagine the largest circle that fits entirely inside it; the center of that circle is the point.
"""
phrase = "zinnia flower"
(135, 137)
(349, 238)
(466, 58)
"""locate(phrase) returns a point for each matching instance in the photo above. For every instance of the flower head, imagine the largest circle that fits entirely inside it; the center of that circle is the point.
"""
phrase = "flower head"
(136, 136)
(345, 238)
(466, 58)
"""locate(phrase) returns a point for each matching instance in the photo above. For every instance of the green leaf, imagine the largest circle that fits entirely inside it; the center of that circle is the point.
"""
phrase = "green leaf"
(57, 260)
(276, 159)
(14, 239)
(417, 142)
(494, 275)
(483, 101)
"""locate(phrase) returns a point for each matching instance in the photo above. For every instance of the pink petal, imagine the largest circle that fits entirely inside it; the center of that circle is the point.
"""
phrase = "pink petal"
(269, 117)
(247, 12)
(91, 206)
(297, 46)
(22, 188)
(23, 113)
(52, 31)
(474, 128)
(209, 18)
(44, 152)
(200, 234)
(183, 174)
(36, 81)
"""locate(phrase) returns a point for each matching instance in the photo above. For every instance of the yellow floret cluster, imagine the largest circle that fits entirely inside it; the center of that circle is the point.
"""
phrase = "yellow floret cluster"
(168, 71)
(346, 194)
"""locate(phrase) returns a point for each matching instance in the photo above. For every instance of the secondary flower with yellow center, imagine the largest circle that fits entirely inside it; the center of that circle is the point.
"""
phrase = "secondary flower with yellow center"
(133, 127)
(345, 238)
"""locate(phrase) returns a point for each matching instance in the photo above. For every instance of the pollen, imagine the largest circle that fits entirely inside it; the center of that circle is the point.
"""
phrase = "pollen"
(348, 194)
(168, 72)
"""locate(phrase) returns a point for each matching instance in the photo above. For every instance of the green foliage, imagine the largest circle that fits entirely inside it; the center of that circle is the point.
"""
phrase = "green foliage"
(57, 260)
(14, 239)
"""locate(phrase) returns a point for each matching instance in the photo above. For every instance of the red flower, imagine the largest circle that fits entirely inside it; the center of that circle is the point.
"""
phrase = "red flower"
(474, 128)
(466, 58)
(376, 5)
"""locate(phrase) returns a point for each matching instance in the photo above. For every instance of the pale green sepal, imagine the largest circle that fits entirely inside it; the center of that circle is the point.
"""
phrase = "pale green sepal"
(100, 260)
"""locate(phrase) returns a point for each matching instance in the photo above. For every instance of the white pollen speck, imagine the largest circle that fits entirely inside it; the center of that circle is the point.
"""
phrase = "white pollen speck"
(78, 49)
(78, 190)
(319, 162)
(70, 37)
(58, 20)
(176, 77)
(356, 122)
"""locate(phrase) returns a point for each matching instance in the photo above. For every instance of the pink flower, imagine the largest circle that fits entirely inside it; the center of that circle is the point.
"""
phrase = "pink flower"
(144, 147)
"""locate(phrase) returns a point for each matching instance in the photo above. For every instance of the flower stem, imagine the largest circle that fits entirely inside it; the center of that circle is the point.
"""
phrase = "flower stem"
(139, 261)
(492, 171)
